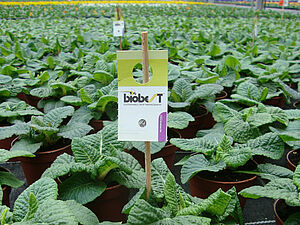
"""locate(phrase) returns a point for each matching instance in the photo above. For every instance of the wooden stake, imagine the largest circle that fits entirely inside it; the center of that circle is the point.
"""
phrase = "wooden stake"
(120, 40)
(147, 143)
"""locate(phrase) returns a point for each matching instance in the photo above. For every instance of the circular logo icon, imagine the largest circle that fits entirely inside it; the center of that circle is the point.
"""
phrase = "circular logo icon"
(142, 123)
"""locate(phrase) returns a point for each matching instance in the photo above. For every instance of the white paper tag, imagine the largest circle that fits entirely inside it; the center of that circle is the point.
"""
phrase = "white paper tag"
(142, 108)
(286, 2)
(118, 28)
(142, 113)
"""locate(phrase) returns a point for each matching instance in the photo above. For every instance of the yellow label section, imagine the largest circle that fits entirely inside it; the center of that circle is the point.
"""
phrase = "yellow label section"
(158, 60)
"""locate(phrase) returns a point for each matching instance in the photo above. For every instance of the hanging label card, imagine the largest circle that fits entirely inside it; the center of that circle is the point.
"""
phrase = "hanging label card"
(118, 28)
(142, 108)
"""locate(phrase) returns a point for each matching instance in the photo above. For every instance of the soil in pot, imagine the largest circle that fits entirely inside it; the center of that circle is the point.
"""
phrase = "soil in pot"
(97, 125)
(282, 211)
(34, 167)
(205, 183)
(293, 158)
(108, 207)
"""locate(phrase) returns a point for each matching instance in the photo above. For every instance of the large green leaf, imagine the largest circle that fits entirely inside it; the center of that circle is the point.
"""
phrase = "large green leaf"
(270, 171)
(7, 178)
(55, 117)
(296, 178)
(293, 219)
(103, 77)
(182, 88)
(249, 90)
(74, 129)
(281, 188)
(237, 157)
(159, 172)
(278, 115)
(44, 189)
(183, 220)
(54, 212)
(198, 163)
(81, 188)
(240, 130)
(293, 114)
(143, 213)
(81, 115)
(63, 165)
(17, 129)
(42, 92)
(200, 145)
(26, 145)
(224, 112)
(136, 179)
(87, 149)
(205, 91)
(171, 195)
(290, 134)
(269, 145)
(33, 206)
(72, 100)
(179, 120)
(154, 146)
(6, 155)
(83, 215)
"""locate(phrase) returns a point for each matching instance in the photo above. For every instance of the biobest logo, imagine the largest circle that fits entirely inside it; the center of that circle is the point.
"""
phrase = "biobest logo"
(131, 96)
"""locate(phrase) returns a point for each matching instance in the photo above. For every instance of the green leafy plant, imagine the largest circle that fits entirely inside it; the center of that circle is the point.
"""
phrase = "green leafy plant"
(232, 143)
(44, 131)
(169, 204)
(38, 204)
(98, 161)
(15, 110)
(283, 184)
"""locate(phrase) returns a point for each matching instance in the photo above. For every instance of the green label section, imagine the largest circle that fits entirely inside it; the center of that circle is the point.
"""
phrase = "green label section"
(158, 60)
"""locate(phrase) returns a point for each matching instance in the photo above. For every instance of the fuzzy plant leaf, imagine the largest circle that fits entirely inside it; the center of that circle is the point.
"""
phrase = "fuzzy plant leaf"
(179, 120)
(271, 171)
(74, 129)
(154, 146)
(33, 206)
(278, 114)
(16, 129)
(236, 157)
(293, 219)
(281, 188)
(296, 178)
(269, 144)
(26, 145)
(144, 213)
(240, 130)
(200, 145)
(293, 114)
(249, 90)
(7, 178)
(159, 172)
(54, 212)
(182, 88)
(290, 134)
(55, 117)
(171, 195)
(134, 179)
(198, 163)
(81, 188)
(183, 220)
(6, 155)
(63, 165)
(205, 91)
(44, 189)
(83, 215)
(71, 100)
(224, 112)
(42, 92)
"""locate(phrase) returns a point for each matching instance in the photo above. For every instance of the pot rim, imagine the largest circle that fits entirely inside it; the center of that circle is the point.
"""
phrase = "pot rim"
(226, 182)
(52, 151)
(204, 114)
(224, 95)
(287, 157)
(275, 211)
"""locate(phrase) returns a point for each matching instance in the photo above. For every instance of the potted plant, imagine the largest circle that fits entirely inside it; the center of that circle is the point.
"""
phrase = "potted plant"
(47, 136)
(291, 136)
(284, 185)
(168, 203)
(12, 111)
(38, 204)
(228, 147)
(7, 179)
(98, 174)
(184, 98)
